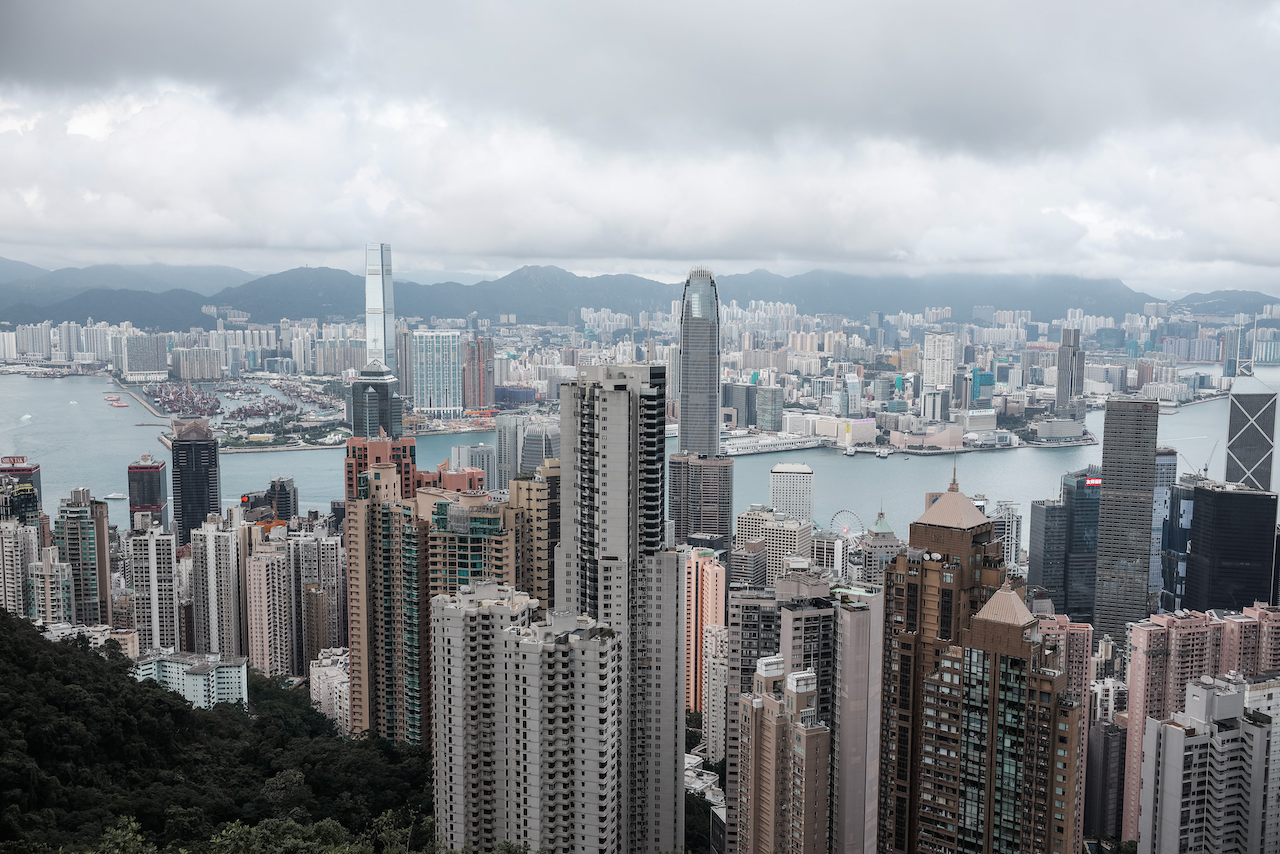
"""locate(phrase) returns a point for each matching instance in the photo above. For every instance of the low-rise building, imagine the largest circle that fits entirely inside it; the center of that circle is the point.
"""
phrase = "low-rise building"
(331, 686)
(205, 680)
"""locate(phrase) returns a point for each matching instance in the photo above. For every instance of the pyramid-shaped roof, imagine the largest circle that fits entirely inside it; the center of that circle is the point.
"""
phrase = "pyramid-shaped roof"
(1006, 606)
(953, 509)
(881, 525)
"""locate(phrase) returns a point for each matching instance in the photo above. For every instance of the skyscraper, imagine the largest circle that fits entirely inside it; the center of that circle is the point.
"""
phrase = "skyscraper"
(1231, 562)
(154, 562)
(1124, 513)
(1251, 433)
(196, 491)
(149, 490)
(509, 442)
(791, 490)
(700, 364)
(477, 373)
(939, 360)
(1070, 369)
(282, 495)
(613, 556)
(375, 405)
(541, 442)
(379, 306)
(1047, 550)
(1081, 498)
(701, 500)
(705, 590)
(217, 588)
(26, 473)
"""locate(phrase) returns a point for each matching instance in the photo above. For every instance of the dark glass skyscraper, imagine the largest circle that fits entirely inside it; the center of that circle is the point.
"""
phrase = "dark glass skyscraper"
(282, 495)
(149, 490)
(1081, 494)
(1231, 561)
(1124, 513)
(25, 472)
(196, 491)
(375, 403)
(700, 364)
(1251, 433)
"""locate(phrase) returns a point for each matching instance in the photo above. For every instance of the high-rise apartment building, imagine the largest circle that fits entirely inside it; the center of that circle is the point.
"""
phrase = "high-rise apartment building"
(1231, 561)
(1208, 774)
(856, 724)
(715, 689)
(19, 546)
(939, 365)
(509, 442)
(196, 491)
(705, 591)
(1124, 513)
(375, 406)
(785, 763)
(791, 490)
(218, 588)
(50, 584)
(566, 675)
(274, 615)
(437, 373)
(482, 457)
(1251, 433)
(154, 562)
(379, 306)
(477, 373)
(1166, 651)
(534, 506)
(1001, 759)
(952, 565)
(149, 490)
(80, 533)
(613, 556)
(320, 564)
(700, 364)
(21, 502)
(782, 535)
(701, 498)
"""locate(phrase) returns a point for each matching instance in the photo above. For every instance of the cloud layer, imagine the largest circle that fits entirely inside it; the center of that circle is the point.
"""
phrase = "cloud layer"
(1140, 142)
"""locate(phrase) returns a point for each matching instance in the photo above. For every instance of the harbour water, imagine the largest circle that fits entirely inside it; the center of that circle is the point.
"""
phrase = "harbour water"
(81, 441)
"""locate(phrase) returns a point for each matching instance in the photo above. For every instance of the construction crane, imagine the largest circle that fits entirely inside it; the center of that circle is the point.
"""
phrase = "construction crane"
(1202, 473)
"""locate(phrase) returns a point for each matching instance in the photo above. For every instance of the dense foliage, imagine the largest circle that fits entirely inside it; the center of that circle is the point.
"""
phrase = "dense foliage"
(83, 745)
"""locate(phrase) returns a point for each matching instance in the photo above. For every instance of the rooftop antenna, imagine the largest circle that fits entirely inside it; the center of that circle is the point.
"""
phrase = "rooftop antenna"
(955, 483)
(648, 344)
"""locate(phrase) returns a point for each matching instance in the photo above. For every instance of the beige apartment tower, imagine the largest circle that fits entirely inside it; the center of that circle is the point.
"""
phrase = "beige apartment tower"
(704, 595)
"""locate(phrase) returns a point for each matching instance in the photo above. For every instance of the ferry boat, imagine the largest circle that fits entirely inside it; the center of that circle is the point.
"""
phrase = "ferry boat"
(117, 496)
(111, 397)
(884, 453)
(117, 404)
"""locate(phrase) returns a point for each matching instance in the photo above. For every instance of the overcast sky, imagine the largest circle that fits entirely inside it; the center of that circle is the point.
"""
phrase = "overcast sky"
(1138, 140)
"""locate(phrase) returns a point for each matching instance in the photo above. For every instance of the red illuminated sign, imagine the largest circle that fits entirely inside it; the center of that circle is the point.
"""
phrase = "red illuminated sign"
(1093, 481)
(12, 461)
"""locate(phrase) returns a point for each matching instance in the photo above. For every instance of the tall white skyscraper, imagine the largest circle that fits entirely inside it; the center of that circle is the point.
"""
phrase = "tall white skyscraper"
(939, 364)
(564, 676)
(155, 588)
(791, 490)
(379, 306)
(437, 373)
(216, 588)
(614, 565)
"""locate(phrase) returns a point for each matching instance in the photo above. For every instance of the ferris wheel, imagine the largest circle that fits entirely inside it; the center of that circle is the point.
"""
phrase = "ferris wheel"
(847, 524)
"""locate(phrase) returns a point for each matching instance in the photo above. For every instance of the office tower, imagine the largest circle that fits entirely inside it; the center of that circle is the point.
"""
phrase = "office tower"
(1207, 774)
(1233, 351)
(282, 495)
(379, 306)
(1169, 650)
(836, 555)
(196, 491)
(1104, 784)
(1124, 513)
(437, 373)
(535, 509)
(769, 401)
(939, 359)
(880, 545)
(19, 501)
(509, 441)
(217, 588)
(613, 555)
(995, 774)
(374, 406)
(1007, 519)
(1231, 562)
(154, 562)
(320, 563)
(856, 718)
(80, 533)
(743, 399)
(26, 473)
(791, 490)
(50, 593)
(149, 490)
(1251, 433)
(1166, 479)
(1070, 369)
(705, 588)
(785, 760)
(1047, 551)
(701, 499)
(715, 689)
(1081, 499)
(477, 373)
(541, 442)
(274, 612)
(951, 567)
(749, 563)
(700, 364)
(783, 537)
(565, 674)
(482, 457)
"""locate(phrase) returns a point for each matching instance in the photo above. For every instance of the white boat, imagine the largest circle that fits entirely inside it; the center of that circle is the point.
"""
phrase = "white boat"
(884, 453)
(850, 451)
(116, 496)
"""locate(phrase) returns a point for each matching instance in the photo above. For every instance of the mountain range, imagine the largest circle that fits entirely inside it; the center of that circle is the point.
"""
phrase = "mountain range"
(169, 297)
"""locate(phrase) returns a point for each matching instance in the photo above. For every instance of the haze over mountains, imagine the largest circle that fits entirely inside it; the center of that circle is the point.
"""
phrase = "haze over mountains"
(169, 297)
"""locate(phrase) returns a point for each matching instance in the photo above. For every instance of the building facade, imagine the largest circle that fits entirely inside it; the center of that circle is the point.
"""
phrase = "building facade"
(196, 487)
